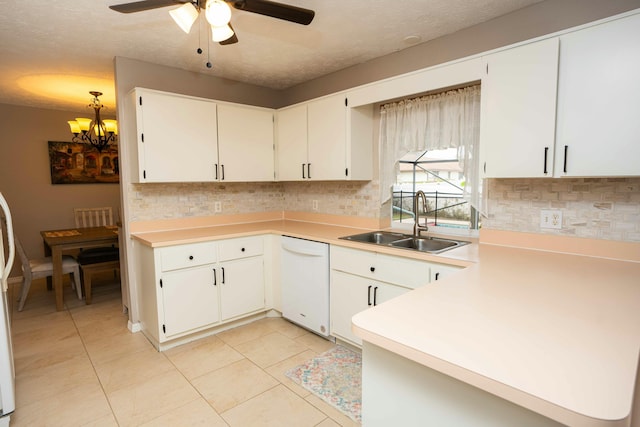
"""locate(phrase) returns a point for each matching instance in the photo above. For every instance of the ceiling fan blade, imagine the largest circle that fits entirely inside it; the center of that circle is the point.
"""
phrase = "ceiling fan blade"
(286, 12)
(139, 6)
(231, 40)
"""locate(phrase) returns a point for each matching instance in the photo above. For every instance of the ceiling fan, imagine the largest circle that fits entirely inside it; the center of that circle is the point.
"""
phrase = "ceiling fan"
(218, 13)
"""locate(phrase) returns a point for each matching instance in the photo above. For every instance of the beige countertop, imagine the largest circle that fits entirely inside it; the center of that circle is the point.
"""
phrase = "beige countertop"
(555, 333)
(326, 233)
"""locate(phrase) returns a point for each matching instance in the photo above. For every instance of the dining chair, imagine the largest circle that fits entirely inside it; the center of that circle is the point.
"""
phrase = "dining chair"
(43, 267)
(93, 217)
(95, 260)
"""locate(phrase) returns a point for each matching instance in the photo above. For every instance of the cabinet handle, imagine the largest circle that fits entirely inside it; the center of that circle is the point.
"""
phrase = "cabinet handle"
(222, 275)
(222, 166)
(215, 281)
(369, 295)
(190, 257)
(546, 151)
(566, 147)
(216, 171)
(303, 177)
(372, 269)
(375, 295)
(484, 167)
(309, 170)
(242, 250)
(437, 276)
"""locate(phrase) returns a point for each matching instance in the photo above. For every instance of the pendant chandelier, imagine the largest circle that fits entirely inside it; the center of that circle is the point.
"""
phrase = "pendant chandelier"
(99, 133)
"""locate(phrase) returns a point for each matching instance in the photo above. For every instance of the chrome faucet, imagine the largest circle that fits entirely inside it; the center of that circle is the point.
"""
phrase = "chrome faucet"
(417, 228)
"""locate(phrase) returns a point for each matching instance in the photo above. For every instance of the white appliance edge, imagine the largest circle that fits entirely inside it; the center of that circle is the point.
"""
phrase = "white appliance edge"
(7, 373)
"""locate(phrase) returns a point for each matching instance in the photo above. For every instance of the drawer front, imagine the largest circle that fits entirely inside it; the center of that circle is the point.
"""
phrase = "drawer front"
(191, 255)
(353, 261)
(244, 247)
(408, 273)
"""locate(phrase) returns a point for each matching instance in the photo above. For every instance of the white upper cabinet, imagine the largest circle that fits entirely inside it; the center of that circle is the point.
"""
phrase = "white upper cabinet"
(598, 128)
(517, 127)
(245, 143)
(325, 140)
(176, 138)
(291, 135)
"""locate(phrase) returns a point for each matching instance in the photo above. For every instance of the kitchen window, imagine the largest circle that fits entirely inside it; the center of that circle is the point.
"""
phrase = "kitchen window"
(431, 143)
(440, 176)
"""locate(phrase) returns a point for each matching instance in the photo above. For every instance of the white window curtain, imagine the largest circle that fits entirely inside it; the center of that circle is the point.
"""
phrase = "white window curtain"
(446, 120)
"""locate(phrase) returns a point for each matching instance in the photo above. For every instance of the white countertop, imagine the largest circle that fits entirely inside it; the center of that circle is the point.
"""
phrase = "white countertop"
(558, 334)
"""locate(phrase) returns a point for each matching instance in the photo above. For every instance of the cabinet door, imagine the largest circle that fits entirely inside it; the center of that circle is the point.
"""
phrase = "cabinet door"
(517, 127)
(241, 287)
(291, 136)
(349, 295)
(190, 300)
(352, 294)
(178, 138)
(245, 143)
(598, 92)
(327, 136)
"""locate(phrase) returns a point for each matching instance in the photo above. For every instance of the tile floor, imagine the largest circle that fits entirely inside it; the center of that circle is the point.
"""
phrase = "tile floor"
(82, 367)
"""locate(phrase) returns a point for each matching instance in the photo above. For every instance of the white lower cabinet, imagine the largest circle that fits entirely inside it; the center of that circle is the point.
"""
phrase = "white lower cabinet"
(351, 294)
(241, 287)
(189, 288)
(189, 300)
(361, 279)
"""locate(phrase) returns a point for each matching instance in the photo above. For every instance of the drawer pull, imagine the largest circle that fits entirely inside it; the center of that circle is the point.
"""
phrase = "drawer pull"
(190, 257)
(242, 249)
(372, 269)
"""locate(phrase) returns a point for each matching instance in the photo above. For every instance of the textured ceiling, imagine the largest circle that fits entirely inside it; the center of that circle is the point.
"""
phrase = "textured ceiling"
(53, 52)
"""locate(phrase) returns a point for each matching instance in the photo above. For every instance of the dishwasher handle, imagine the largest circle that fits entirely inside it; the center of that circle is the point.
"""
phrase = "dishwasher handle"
(305, 251)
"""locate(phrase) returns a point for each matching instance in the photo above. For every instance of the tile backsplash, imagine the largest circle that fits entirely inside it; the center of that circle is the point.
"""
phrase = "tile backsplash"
(597, 208)
(167, 201)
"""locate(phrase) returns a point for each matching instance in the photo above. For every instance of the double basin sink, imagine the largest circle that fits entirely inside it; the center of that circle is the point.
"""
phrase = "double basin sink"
(432, 245)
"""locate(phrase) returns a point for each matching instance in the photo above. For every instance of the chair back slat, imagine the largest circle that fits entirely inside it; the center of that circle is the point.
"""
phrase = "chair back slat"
(93, 217)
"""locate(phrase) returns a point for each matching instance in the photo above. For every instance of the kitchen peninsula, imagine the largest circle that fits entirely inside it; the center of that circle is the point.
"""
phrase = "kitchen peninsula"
(522, 333)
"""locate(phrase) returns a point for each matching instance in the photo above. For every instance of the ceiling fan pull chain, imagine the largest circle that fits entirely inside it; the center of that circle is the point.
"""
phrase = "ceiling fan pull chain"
(208, 64)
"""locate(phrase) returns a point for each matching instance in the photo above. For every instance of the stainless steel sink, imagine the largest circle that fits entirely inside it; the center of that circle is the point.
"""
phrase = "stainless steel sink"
(377, 237)
(427, 244)
(431, 245)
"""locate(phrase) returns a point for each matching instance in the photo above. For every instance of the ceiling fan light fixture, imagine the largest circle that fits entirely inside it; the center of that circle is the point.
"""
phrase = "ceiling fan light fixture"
(218, 13)
(222, 33)
(185, 16)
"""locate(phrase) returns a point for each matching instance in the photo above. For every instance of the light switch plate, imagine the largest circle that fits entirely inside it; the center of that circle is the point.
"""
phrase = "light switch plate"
(551, 219)
(217, 207)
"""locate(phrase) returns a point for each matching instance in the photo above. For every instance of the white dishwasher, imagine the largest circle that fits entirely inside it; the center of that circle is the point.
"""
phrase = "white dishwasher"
(305, 283)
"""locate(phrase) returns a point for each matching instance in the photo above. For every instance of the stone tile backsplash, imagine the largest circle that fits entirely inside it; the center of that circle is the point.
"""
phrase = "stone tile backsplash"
(597, 208)
(170, 201)
(167, 201)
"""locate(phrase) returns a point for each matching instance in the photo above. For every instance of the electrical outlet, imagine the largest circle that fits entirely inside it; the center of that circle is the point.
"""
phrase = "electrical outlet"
(315, 205)
(551, 219)
(217, 207)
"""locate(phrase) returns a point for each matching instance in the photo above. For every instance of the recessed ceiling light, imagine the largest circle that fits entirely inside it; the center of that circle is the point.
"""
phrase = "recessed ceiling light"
(409, 40)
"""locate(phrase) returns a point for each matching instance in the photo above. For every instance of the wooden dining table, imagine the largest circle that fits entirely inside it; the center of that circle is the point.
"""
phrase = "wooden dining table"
(56, 242)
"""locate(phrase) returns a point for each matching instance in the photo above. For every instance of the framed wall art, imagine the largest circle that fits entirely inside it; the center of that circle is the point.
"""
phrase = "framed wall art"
(79, 163)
